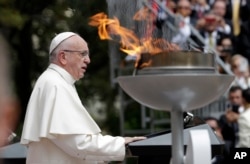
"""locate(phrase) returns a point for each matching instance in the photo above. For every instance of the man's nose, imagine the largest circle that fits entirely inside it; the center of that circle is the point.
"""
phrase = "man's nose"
(87, 59)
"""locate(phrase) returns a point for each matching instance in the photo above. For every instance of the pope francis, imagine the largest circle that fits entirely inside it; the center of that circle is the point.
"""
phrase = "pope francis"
(57, 128)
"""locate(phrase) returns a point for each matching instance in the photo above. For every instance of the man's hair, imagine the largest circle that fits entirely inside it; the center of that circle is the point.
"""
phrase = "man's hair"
(211, 118)
(53, 55)
(235, 88)
(216, 1)
(246, 95)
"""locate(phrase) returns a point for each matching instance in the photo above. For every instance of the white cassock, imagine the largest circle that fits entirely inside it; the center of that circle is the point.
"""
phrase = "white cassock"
(59, 130)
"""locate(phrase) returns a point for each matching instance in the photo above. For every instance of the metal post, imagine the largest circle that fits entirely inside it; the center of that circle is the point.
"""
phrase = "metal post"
(177, 136)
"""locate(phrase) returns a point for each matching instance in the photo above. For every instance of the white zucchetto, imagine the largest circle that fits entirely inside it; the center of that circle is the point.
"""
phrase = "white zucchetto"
(58, 39)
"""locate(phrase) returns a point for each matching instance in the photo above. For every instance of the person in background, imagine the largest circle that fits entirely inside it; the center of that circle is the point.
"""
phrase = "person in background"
(163, 10)
(199, 9)
(240, 68)
(57, 127)
(183, 13)
(215, 125)
(208, 28)
(244, 121)
(238, 12)
(9, 104)
(244, 37)
(225, 50)
(219, 9)
(228, 120)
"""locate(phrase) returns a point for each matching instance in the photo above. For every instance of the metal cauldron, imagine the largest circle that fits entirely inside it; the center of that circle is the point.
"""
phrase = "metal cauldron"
(176, 62)
(176, 81)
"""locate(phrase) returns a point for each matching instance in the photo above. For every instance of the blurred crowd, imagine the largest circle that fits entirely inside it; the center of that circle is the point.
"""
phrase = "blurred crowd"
(223, 25)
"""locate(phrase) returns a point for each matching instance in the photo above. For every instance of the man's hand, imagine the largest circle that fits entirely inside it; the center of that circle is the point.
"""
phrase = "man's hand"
(132, 139)
(231, 116)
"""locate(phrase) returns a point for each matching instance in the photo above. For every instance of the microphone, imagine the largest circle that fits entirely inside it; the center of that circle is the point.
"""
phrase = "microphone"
(188, 117)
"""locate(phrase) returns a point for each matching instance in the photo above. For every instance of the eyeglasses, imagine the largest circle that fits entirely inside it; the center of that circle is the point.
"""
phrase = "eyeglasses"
(81, 53)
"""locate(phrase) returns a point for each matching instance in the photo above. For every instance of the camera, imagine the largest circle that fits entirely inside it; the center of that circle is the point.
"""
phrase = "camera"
(210, 19)
(234, 107)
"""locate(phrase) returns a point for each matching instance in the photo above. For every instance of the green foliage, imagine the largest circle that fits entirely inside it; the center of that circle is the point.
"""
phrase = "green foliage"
(11, 18)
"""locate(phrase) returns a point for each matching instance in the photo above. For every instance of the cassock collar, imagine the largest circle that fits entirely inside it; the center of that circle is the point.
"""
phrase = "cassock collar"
(63, 73)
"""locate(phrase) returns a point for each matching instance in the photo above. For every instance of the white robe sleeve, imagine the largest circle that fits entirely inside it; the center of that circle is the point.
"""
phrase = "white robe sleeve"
(92, 147)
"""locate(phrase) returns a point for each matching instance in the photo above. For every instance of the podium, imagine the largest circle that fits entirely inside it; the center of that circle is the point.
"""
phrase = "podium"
(157, 147)
(13, 154)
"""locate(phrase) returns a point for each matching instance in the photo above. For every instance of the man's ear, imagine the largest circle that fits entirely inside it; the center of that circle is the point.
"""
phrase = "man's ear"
(62, 58)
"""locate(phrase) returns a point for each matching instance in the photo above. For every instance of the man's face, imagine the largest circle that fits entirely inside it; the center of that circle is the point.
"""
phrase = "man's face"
(184, 8)
(77, 58)
(236, 64)
(236, 97)
(219, 8)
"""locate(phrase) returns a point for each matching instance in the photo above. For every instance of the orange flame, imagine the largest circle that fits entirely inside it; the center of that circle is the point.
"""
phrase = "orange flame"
(145, 14)
(130, 43)
(106, 27)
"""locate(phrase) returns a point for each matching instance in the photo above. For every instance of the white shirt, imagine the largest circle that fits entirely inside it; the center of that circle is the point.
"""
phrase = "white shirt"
(213, 40)
(184, 31)
(57, 126)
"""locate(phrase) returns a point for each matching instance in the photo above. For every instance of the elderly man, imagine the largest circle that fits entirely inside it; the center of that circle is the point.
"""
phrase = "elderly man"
(57, 127)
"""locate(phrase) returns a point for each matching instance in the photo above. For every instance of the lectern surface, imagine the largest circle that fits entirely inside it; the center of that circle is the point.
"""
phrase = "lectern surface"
(159, 144)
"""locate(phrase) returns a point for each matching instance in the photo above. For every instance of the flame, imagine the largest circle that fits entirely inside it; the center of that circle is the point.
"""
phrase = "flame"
(145, 14)
(108, 27)
(130, 43)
